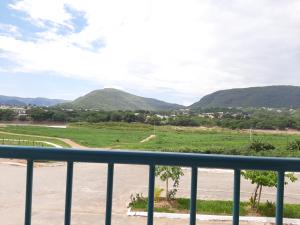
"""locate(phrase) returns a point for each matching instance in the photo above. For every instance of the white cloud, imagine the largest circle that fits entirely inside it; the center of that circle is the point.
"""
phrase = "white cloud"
(41, 12)
(190, 47)
(8, 30)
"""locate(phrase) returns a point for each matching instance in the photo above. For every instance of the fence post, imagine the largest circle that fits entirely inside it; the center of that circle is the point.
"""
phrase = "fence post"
(280, 196)
(193, 203)
(151, 194)
(109, 193)
(236, 196)
(28, 201)
(69, 184)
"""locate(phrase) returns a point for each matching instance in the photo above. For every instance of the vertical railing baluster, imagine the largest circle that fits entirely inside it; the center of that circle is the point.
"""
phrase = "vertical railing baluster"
(193, 203)
(69, 185)
(280, 196)
(236, 196)
(151, 194)
(109, 193)
(28, 203)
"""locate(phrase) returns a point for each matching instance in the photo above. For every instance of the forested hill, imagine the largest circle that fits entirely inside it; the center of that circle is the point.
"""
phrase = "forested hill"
(269, 96)
(18, 101)
(109, 99)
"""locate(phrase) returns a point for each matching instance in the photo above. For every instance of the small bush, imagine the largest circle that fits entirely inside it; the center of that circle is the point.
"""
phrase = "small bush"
(137, 200)
(294, 146)
(267, 209)
(157, 193)
(260, 146)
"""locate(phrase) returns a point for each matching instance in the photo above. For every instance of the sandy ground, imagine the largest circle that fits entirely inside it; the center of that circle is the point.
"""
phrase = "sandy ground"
(89, 192)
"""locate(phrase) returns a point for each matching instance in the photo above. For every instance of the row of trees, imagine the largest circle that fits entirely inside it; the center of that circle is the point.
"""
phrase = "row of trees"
(58, 115)
(7, 115)
(257, 120)
(232, 119)
(264, 122)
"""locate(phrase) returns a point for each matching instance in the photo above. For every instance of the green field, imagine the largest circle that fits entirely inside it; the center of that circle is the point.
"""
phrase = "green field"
(168, 138)
(8, 139)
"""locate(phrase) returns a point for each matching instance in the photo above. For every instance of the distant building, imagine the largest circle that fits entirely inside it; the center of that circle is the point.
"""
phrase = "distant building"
(18, 110)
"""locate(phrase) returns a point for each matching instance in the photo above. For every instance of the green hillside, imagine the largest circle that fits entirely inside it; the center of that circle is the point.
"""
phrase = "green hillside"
(269, 96)
(110, 99)
(18, 101)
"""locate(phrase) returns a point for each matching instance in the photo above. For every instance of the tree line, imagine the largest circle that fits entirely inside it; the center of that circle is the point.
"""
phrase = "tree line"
(233, 119)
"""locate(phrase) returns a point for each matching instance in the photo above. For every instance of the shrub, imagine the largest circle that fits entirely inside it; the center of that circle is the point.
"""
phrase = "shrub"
(136, 200)
(268, 209)
(157, 193)
(258, 146)
(294, 146)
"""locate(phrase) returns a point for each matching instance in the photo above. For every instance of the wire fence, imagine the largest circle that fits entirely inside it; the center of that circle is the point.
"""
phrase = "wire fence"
(22, 142)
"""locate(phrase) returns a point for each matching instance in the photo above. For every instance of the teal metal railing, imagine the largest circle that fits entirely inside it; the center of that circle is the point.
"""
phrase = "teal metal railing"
(194, 161)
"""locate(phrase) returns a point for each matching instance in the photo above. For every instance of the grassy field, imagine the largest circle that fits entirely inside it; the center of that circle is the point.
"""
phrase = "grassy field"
(168, 138)
(8, 139)
(214, 207)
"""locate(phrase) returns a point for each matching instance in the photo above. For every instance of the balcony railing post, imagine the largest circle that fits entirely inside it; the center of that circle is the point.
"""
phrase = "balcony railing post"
(236, 196)
(69, 184)
(109, 192)
(280, 196)
(151, 194)
(193, 204)
(28, 201)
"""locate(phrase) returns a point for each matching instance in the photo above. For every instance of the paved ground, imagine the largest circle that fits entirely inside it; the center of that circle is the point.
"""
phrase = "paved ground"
(89, 193)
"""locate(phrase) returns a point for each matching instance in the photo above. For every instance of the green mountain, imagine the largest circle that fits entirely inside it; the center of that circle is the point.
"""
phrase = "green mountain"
(18, 101)
(110, 99)
(269, 96)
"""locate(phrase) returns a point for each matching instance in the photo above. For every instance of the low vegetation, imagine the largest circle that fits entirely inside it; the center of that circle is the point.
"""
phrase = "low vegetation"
(168, 138)
(22, 140)
(213, 207)
(294, 146)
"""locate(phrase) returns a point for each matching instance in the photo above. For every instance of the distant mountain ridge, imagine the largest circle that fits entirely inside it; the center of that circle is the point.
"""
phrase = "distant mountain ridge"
(18, 101)
(281, 96)
(110, 99)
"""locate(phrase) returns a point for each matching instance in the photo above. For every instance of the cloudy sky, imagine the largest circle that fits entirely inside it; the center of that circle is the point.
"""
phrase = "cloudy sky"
(173, 50)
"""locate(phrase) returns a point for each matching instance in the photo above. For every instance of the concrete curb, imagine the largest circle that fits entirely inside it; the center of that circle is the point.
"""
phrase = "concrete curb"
(214, 217)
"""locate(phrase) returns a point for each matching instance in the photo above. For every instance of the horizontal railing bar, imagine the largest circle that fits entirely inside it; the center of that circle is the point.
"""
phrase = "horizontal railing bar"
(147, 158)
